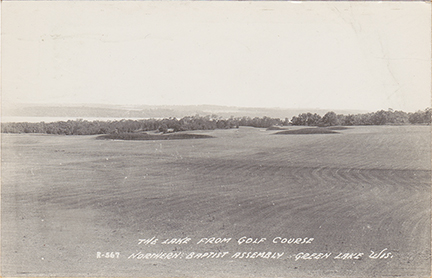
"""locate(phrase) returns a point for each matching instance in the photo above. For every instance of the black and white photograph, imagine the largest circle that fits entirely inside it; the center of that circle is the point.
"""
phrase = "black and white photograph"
(215, 139)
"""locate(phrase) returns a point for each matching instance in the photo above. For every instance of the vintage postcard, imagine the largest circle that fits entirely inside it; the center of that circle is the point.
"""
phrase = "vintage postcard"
(216, 139)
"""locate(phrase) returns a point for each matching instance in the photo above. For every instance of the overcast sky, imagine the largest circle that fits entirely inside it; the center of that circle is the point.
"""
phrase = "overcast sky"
(329, 55)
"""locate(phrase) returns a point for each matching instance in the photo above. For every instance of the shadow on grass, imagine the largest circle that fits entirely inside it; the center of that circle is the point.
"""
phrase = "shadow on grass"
(145, 136)
(276, 128)
(337, 127)
(310, 130)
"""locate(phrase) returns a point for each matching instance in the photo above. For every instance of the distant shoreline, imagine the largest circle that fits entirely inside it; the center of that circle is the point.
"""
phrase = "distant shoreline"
(27, 119)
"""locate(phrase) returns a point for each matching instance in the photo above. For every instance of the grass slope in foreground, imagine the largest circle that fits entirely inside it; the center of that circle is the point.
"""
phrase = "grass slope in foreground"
(65, 198)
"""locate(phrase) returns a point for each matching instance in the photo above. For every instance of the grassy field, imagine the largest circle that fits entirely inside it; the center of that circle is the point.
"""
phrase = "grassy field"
(65, 198)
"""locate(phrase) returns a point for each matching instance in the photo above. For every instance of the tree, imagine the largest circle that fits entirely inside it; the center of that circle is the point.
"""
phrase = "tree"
(163, 128)
(379, 118)
(330, 119)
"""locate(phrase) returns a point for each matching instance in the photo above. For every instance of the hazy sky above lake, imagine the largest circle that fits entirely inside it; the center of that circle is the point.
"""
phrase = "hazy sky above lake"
(329, 55)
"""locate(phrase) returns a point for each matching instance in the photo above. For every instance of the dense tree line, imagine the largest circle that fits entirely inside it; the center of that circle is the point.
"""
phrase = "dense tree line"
(381, 117)
(83, 127)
